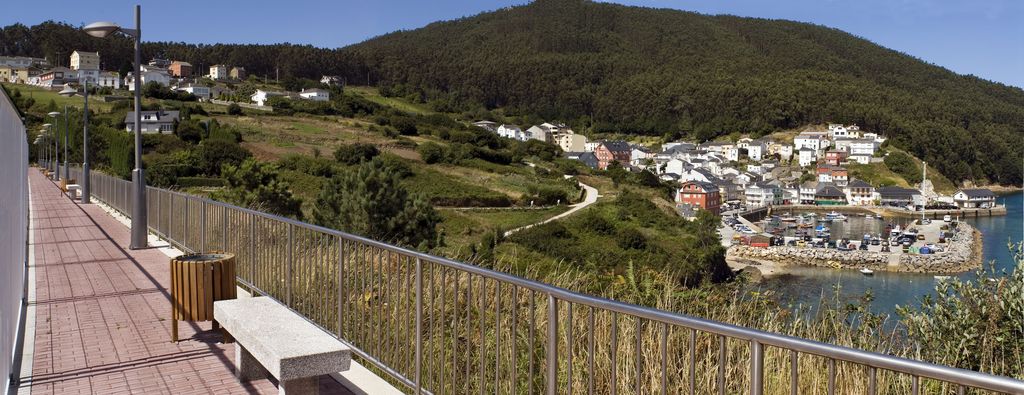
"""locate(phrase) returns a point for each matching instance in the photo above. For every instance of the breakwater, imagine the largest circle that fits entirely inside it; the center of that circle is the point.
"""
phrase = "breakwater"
(963, 252)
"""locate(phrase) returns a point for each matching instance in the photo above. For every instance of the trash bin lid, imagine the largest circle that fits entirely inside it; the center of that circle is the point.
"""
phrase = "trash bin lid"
(204, 257)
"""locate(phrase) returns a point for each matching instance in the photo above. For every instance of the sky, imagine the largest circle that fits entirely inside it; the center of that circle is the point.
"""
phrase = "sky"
(980, 37)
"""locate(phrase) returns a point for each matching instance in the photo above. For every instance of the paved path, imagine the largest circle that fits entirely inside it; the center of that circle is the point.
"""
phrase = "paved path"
(590, 198)
(102, 313)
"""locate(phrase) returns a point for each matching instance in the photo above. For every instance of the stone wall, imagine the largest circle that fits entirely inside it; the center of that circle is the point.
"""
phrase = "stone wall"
(963, 253)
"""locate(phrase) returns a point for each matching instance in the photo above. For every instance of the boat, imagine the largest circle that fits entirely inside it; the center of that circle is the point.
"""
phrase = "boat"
(867, 272)
(834, 216)
(940, 278)
(879, 216)
(789, 218)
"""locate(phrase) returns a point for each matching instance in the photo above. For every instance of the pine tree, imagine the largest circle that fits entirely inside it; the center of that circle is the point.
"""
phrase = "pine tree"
(256, 185)
(370, 201)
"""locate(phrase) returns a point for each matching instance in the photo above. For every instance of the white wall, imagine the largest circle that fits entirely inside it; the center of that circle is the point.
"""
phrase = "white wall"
(13, 227)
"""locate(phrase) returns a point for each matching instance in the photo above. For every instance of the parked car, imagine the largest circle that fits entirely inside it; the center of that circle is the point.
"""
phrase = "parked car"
(863, 246)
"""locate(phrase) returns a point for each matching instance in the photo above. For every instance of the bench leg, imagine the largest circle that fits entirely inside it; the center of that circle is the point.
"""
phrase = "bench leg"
(246, 367)
(308, 385)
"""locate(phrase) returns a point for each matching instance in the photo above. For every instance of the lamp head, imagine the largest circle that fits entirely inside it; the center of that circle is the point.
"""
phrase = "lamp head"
(68, 91)
(101, 29)
(53, 114)
(46, 125)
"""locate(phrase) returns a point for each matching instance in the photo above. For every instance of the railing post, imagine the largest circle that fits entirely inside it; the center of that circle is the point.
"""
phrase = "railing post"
(224, 230)
(419, 325)
(756, 368)
(552, 340)
(288, 271)
(252, 249)
(202, 226)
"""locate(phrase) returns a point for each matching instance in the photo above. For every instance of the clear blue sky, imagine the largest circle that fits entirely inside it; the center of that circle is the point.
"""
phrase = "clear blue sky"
(980, 37)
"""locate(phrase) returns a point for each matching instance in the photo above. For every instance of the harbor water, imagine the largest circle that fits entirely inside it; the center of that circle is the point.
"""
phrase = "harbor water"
(808, 285)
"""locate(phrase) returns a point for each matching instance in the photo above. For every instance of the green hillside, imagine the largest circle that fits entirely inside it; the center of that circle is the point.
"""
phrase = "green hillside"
(654, 71)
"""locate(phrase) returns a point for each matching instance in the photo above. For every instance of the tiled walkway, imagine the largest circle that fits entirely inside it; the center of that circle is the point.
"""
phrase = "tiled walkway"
(102, 313)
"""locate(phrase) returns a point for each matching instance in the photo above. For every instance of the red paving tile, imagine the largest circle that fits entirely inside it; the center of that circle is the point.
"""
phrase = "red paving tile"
(102, 313)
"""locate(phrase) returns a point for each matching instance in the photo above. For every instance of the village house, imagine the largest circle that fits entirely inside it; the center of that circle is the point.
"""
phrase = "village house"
(315, 94)
(588, 158)
(219, 72)
(860, 193)
(511, 132)
(640, 155)
(489, 126)
(148, 74)
(756, 149)
(700, 195)
(180, 69)
(813, 141)
(612, 151)
(109, 79)
(974, 198)
(807, 191)
(23, 62)
(829, 195)
(56, 76)
(87, 64)
(835, 157)
(568, 140)
(763, 194)
(331, 80)
(785, 152)
(261, 96)
(898, 196)
(237, 73)
(201, 92)
(807, 156)
(160, 121)
(836, 130)
(791, 194)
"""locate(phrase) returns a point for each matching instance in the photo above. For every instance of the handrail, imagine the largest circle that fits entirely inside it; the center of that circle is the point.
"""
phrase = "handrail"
(109, 190)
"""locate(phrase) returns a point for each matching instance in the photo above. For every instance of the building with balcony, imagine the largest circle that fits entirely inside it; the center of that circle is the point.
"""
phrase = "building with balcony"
(700, 195)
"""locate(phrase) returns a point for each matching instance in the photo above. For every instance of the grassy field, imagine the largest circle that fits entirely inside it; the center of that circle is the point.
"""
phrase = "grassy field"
(373, 95)
(876, 174)
(43, 96)
(463, 227)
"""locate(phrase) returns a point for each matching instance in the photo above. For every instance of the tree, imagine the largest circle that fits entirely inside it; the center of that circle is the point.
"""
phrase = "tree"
(370, 201)
(213, 154)
(234, 109)
(352, 154)
(902, 164)
(256, 185)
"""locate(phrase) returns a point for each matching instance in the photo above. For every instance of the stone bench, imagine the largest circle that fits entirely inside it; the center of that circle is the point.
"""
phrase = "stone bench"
(270, 338)
(73, 191)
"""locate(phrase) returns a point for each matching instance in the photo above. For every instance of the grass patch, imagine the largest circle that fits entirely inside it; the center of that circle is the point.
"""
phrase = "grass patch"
(373, 95)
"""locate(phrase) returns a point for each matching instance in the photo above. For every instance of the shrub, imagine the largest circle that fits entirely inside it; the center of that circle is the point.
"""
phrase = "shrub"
(212, 155)
(353, 154)
(431, 152)
(901, 163)
(630, 239)
(256, 185)
(234, 109)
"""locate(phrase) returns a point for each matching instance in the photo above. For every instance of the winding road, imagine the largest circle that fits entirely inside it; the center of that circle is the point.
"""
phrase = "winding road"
(589, 199)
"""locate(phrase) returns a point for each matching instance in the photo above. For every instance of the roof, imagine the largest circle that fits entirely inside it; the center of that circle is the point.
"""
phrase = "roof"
(977, 193)
(617, 146)
(181, 63)
(314, 90)
(894, 192)
(161, 116)
(858, 183)
(706, 186)
(829, 190)
(80, 53)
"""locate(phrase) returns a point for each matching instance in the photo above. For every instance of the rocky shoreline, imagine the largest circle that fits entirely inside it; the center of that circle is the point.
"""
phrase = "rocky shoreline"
(963, 253)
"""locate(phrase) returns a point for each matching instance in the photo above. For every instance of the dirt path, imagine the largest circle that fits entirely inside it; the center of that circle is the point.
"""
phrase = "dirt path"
(589, 199)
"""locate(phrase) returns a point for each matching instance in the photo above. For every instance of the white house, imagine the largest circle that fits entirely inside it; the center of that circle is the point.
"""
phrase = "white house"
(763, 194)
(219, 72)
(807, 191)
(315, 94)
(261, 96)
(863, 147)
(836, 130)
(785, 152)
(860, 193)
(696, 175)
(160, 121)
(974, 198)
(677, 166)
(159, 76)
(755, 150)
(816, 142)
(200, 91)
(591, 146)
(511, 132)
(732, 154)
(862, 159)
(807, 156)
(109, 79)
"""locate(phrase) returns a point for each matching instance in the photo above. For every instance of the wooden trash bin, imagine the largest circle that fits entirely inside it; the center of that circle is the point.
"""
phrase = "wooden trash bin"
(197, 280)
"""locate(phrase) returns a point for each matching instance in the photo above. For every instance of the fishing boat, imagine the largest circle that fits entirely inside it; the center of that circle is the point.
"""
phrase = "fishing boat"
(940, 278)
(867, 272)
(789, 218)
(835, 217)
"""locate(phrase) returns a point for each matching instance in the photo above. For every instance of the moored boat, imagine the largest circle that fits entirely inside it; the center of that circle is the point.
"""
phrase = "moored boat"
(867, 272)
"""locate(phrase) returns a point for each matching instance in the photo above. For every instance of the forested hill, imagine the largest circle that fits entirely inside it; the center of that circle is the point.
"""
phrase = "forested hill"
(645, 71)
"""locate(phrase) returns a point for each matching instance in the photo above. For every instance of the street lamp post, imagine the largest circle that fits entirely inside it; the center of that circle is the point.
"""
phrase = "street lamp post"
(67, 174)
(56, 153)
(68, 92)
(104, 29)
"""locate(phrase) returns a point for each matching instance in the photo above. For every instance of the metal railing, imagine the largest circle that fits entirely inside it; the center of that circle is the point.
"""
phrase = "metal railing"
(439, 326)
(14, 211)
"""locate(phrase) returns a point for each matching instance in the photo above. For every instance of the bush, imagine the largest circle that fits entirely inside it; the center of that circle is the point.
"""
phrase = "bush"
(234, 109)
(353, 154)
(320, 167)
(256, 185)
(630, 239)
(185, 182)
(903, 164)
(431, 152)
(212, 155)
